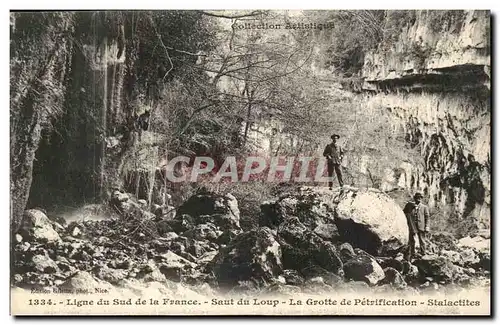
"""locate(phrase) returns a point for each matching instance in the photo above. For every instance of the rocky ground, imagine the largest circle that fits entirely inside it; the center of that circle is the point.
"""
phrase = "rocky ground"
(309, 240)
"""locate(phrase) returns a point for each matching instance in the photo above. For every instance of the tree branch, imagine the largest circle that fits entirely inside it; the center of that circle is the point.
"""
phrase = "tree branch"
(158, 35)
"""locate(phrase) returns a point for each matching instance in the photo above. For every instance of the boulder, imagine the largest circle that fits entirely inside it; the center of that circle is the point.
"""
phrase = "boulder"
(411, 273)
(201, 282)
(468, 257)
(173, 266)
(142, 203)
(227, 236)
(150, 272)
(315, 271)
(18, 239)
(292, 277)
(210, 204)
(444, 240)
(252, 255)
(170, 236)
(394, 278)
(164, 227)
(204, 231)
(356, 287)
(436, 267)
(478, 243)
(110, 275)
(197, 248)
(118, 197)
(453, 256)
(121, 261)
(85, 283)
(302, 247)
(180, 224)
(364, 268)
(346, 252)
(282, 290)
(172, 260)
(327, 231)
(36, 226)
(44, 264)
(207, 258)
(316, 286)
(310, 206)
(484, 261)
(389, 262)
(372, 221)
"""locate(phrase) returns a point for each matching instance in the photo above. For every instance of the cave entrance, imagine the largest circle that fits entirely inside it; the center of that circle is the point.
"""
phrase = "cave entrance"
(69, 163)
(66, 167)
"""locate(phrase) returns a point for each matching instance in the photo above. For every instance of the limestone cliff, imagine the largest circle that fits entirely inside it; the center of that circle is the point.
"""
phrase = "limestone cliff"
(435, 83)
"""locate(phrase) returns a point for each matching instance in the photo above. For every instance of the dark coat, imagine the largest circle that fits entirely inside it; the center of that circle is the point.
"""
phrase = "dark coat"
(334, 153)
(417, 216)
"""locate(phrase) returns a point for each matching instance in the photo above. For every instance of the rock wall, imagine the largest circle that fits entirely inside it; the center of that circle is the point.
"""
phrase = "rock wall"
(450, 44)
(39, 66)
(92, 105)
(435, 84)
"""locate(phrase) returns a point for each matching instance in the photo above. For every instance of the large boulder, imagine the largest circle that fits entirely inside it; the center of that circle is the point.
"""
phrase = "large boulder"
(253, 255)
(225, 207)
(36, 226)
(310, 206)
(372, 221)
(302, 248)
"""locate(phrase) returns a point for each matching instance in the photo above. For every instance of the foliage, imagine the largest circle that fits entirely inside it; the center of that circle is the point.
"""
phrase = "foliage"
(363, 31)
(360, 32)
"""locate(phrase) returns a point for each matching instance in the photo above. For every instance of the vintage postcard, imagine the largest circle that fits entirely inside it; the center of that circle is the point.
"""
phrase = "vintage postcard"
(250, 162)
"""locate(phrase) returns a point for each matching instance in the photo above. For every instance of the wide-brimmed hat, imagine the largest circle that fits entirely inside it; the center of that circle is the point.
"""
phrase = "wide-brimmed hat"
(335, 136)
(418, 195)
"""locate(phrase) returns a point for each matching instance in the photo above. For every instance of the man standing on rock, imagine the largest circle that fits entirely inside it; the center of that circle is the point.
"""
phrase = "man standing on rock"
(417, 216)
(334, 154)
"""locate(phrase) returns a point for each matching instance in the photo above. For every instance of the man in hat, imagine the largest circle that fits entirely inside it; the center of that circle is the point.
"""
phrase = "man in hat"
(417, 216)
(334, 154)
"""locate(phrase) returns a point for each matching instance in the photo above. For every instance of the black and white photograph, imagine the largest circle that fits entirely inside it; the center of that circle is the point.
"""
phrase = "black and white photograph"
(250, 162)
